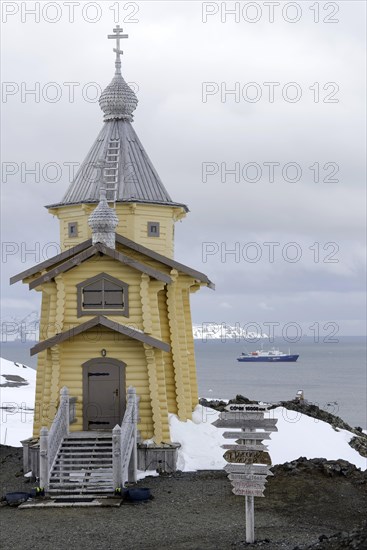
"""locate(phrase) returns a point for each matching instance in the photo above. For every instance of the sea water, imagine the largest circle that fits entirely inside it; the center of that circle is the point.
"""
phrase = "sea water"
(331, 375)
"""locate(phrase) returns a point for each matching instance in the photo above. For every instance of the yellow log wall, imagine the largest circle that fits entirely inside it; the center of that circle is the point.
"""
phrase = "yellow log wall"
(133, 224)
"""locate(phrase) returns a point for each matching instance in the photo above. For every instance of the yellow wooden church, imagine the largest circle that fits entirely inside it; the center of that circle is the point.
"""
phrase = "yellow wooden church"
(115, 303)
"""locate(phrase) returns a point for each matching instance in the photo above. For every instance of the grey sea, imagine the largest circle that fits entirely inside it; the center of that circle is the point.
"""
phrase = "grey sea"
(332, 375)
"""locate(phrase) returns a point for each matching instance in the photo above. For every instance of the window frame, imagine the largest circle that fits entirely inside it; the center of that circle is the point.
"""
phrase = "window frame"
(81, 311)
(72, 226)
(149, 229)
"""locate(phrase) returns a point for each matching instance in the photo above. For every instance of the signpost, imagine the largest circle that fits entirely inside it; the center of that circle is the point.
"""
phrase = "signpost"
(248, 461)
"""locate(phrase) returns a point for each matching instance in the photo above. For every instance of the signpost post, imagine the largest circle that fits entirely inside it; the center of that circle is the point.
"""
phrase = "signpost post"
(248, 461)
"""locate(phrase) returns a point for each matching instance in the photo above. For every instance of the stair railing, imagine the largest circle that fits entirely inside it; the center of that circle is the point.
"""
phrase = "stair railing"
(124, 443)
(50, 440)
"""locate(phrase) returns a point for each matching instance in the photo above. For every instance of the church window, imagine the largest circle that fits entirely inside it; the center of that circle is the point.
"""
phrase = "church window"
(153, 229)
(73, 229)
(102, 294)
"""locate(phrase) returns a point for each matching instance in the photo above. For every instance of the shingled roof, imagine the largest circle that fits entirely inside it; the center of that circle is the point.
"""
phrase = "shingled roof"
(137, 179)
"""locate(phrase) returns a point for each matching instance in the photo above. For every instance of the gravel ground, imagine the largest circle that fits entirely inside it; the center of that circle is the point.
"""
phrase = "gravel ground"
(304, 500)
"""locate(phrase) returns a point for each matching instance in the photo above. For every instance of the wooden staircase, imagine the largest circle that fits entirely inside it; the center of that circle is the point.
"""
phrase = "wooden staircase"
(83, 465)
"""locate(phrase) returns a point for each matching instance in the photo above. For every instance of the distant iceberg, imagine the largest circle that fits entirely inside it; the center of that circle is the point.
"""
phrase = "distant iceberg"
(17, 329)
(223, 331)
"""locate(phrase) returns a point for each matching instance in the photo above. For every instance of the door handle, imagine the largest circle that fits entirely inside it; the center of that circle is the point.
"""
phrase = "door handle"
(116, 392)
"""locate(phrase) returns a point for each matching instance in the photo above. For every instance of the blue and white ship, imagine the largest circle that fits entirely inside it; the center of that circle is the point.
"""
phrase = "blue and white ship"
(274, 355)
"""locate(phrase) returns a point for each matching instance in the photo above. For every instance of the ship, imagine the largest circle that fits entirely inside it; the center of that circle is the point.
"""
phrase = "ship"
(273, 355)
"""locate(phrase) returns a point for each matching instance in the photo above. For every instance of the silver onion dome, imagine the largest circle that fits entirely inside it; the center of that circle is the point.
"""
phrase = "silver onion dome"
(103, 222)
(118, 101)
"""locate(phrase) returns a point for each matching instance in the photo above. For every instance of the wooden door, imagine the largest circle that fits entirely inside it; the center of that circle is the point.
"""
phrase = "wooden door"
(104, 400)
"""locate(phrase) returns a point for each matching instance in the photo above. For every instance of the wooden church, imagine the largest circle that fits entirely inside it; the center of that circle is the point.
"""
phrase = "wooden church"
(115, 304)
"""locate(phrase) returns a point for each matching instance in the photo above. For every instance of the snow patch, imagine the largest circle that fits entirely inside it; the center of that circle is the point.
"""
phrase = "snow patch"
(17, 396)
(298, 435)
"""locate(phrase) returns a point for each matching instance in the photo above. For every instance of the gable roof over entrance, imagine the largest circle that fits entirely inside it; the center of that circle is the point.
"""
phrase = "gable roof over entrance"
(102, 321)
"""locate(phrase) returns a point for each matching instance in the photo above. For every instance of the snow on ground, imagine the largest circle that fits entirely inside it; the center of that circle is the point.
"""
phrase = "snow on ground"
(17, 394)
(298, 435)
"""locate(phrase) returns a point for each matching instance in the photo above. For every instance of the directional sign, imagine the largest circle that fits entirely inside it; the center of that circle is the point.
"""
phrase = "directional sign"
(254, 435)
(231, 423)
(250, 407)
(244, 447)
(240, 415)
(253, 446)
(240, 435)
(248, 477)
(267, 424)
(248, 492)
(256, 447)
(248, 469)
(247, 457)
(249, 484)
(256, 415)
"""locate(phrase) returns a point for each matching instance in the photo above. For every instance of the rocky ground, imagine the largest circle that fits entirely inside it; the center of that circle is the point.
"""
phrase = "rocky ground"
(309, 505)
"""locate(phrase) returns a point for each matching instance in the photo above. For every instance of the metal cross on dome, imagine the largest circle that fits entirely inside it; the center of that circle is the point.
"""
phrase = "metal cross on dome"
(117, 36)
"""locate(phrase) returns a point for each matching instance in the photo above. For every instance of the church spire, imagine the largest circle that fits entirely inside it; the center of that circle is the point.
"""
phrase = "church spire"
(117, 159)
(118, 101)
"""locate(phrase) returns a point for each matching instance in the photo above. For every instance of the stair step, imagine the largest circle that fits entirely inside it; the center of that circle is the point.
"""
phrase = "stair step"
(100, 472)
(85, 449)
(80, 450)
(99, 445)
(74, 486)
(104, 468)
(78, 492)
(86, 441)
(86, 474)
(81, 482)
(66, 492)
(85, 468)
(85, 459)
(72, 468)
(65, 485)
(89, 435)
(77, 485)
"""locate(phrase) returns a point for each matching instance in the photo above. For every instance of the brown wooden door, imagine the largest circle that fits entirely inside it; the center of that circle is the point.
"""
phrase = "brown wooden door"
(103, 394)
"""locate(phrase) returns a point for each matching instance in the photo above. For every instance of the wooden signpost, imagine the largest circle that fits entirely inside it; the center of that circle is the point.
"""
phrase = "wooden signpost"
(248, 461)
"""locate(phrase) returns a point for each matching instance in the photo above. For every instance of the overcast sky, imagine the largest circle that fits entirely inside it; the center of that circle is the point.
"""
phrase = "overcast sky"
(193, 131)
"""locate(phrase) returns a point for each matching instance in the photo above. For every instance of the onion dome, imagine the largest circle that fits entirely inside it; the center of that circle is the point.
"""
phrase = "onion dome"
(118, 100)
(103, 222)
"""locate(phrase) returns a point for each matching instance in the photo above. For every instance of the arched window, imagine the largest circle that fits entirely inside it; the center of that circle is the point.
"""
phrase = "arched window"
(102, 294)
